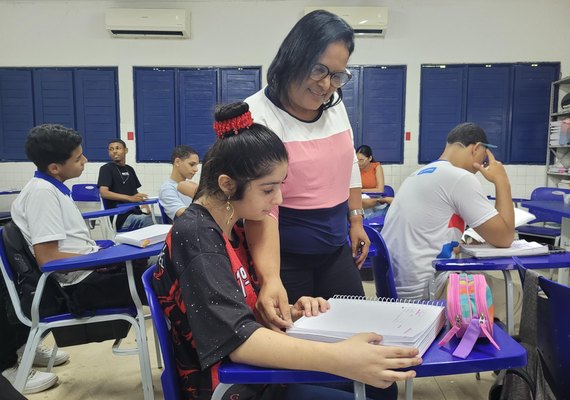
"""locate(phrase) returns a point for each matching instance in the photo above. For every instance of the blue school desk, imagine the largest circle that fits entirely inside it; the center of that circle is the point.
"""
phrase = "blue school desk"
(115, 254)
(437, 361)
(563, 210)
(506, 265)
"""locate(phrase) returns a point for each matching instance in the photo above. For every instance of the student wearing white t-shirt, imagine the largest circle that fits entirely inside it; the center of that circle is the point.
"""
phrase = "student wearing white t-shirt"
(435, 203)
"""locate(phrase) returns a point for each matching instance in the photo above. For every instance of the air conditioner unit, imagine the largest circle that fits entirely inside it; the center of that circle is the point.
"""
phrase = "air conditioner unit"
(366, 21)
(147, 23)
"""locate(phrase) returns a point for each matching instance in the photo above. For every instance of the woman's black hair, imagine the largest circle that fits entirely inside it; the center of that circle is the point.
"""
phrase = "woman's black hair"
(51, 143)
(248, 154)
(302, 48)
(366, 151)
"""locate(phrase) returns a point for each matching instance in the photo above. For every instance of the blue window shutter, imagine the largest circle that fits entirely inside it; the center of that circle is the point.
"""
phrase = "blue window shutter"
(16, 112)
(442, 106)
(155, 121)
(239, 83)
(198, 97)
(96, 110)
(351, 98)
(488, 104)
(383, 95)
(531, 111)
(53, 96)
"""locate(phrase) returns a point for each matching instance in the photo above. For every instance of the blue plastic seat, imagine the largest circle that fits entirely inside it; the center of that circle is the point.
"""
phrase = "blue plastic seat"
(553, 335)
(165, 218)
(538, 228)
(169, 376)
(42, 325)
(381, 265)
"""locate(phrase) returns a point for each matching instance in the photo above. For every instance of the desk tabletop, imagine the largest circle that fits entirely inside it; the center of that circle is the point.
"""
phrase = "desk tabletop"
(109, 212)
(558, 206)
(436, 361)
(557, 260)
(110, 255)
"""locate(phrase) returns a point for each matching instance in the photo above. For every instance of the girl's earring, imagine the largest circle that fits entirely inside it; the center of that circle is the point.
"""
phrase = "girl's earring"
(230, 209)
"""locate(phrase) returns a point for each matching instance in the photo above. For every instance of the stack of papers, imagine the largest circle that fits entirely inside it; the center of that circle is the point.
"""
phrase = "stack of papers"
(518, 248)
(399, 323)
(145, 236)
(522, 217)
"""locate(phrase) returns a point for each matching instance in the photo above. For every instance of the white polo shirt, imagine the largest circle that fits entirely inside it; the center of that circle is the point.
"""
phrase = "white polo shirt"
(45, 212)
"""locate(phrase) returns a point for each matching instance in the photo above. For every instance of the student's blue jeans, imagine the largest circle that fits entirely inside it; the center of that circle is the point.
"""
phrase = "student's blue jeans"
(136, 221)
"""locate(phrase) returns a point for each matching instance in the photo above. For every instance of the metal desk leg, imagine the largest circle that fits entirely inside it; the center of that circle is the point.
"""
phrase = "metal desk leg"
(144, 357)
(409, 389)
(509, 302)
(359, 391)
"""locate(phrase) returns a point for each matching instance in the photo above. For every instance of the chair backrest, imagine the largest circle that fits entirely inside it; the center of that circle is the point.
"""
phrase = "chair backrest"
(165, 218)
(546, 194)
(553, 335)
(169, 377)
(388, 191)
(21, 275)
(85, 192)
(382, 267)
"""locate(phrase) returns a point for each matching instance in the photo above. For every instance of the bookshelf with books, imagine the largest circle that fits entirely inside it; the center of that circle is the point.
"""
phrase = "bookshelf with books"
(558, 153)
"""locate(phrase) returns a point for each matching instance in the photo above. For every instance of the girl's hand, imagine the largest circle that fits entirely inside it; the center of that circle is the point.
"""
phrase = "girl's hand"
(309, 306)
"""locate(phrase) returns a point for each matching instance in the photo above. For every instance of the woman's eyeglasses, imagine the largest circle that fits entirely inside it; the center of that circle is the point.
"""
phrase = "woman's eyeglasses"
(338, 79)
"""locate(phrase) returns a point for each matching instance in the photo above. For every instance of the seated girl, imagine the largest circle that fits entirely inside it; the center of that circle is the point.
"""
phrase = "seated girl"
(372, 176)
(204, 284)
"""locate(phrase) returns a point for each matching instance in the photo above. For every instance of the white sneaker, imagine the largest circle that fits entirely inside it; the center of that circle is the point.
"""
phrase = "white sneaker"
(37, 381)
(43, 354)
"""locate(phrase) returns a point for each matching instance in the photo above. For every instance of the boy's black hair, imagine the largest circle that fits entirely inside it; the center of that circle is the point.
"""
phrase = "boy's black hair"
(301, 50)
(467, 133)
(117, 141)
(182, 152)
(250, 154)
(51, 143)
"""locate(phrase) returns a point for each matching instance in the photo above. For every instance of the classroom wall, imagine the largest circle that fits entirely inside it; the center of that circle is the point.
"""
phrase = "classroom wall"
(233, 33)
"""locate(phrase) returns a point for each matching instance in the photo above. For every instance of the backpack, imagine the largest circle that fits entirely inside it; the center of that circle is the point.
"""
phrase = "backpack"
(27, 274)
(469, 311)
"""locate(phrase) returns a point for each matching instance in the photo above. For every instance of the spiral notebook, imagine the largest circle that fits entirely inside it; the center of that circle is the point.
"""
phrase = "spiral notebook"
(400, 322)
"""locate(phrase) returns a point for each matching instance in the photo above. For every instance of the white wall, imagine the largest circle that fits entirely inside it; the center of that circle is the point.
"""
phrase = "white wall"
(72, 33)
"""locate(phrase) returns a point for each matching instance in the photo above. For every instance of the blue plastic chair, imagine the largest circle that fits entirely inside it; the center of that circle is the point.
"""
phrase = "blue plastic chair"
(169, 376)
(388, 191)
(228, 372)
(42, 325)
(381, 265)
(553, 335)
(165, 218)
(537, 228)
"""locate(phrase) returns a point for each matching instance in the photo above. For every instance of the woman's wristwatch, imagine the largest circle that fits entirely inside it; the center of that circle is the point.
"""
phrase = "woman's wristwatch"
(357, 211)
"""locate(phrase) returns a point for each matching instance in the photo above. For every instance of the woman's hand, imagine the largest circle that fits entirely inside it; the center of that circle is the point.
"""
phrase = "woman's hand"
(309, 306)
(273, 306)
(359, 243)
(361, 360)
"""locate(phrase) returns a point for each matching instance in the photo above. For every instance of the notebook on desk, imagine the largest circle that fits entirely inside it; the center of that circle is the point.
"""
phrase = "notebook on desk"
(400, 323)
(518, 248)
(145, 236)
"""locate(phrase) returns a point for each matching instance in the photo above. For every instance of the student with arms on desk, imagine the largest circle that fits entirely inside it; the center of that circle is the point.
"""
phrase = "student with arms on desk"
(204, 284)
(52, 224)
(184, 165)
(428, 215)
(118, 183)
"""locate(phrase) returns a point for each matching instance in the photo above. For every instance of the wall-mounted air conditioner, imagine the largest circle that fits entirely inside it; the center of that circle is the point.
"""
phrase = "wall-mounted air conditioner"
(148, 23)
(366, 21)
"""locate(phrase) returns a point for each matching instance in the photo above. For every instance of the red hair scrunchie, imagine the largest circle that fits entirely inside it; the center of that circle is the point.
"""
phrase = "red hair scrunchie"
(233, 124)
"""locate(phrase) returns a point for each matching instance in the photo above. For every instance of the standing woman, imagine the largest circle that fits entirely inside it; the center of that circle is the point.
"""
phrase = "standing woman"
(303, 105)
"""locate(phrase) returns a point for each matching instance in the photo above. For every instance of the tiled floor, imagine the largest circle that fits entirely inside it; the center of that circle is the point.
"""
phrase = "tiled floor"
(94, 373)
